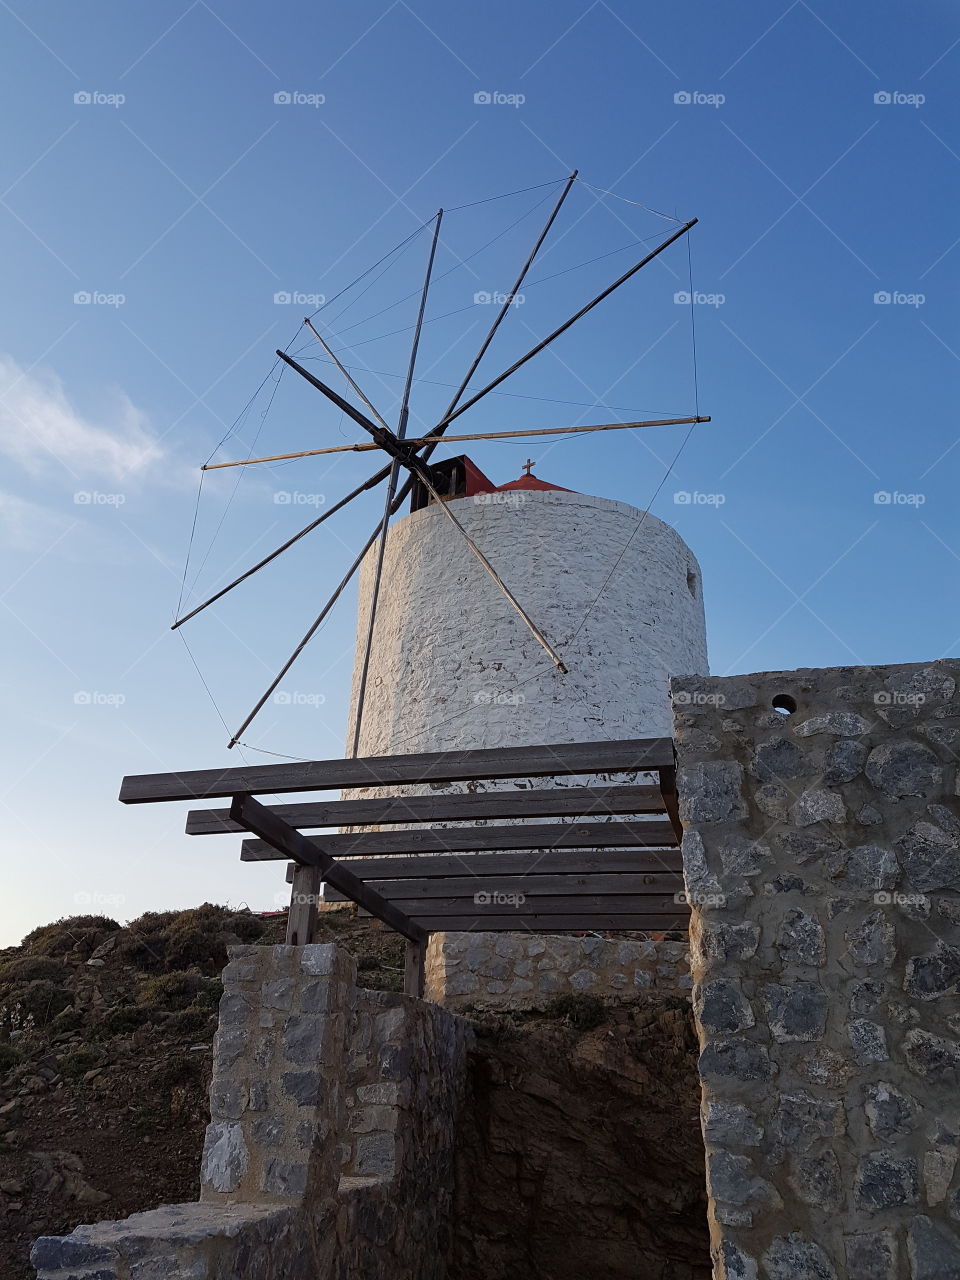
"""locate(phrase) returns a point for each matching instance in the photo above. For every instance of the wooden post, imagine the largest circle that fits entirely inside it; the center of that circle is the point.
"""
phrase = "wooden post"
(302, 921)
(413, 969)
(668, 790)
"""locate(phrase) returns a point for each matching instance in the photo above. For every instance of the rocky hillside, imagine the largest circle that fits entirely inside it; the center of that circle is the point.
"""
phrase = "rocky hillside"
(105, 1039)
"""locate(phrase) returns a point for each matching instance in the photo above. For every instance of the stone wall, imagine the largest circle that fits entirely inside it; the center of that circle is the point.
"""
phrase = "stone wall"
(406, 1076)
(822, 853)
(375, 1103)
(329, 1154)
(522, 970)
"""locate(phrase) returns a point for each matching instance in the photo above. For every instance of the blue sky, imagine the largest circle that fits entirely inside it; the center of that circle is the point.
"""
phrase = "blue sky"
(149, 165)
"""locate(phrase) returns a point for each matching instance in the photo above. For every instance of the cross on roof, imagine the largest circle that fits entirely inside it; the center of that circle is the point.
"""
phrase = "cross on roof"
(528, 466)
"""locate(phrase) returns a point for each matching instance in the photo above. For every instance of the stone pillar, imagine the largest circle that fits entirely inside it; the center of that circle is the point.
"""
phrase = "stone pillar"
(822, 859)
(277, 1096)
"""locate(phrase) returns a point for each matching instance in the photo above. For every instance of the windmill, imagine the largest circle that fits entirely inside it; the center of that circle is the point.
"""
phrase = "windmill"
(408, 458)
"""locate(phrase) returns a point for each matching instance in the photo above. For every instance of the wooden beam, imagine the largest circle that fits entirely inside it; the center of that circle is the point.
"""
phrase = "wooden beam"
(545, 342)
(314, 524)
(384, 438)
(303, 642)
(520, 922)
(649, 884)
(540, 835)
(420, 441)
(535, 863)
(289, 843)
(398, 460)
(639, 755)
(608, 904)
(549, 802)
(414, 969)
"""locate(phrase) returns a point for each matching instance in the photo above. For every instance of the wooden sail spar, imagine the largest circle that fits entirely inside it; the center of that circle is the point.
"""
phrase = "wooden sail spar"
(480, 435)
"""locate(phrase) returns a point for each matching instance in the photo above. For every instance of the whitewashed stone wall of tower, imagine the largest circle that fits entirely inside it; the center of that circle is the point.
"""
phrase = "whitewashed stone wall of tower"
(454, 666)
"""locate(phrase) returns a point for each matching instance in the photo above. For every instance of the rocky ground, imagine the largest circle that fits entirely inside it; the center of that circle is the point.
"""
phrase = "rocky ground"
(105, 1039)
(581, 1150)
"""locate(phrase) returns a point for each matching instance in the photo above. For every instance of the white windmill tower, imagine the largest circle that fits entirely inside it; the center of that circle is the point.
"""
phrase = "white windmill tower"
(452, 665)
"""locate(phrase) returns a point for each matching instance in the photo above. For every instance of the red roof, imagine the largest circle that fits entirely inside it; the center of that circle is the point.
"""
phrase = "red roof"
(531, 482)
(462, 478)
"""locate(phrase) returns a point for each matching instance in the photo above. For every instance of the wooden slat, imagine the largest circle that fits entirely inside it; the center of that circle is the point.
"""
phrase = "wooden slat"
(609, 904)
(550, 802)
(556, 760)
(572, 835)
(549, 862)
(289, 843)
(671, 802)
(532, 887)
(519, 923)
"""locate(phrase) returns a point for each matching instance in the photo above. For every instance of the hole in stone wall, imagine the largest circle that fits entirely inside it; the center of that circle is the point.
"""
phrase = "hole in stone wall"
(784, 704)
(692, 583)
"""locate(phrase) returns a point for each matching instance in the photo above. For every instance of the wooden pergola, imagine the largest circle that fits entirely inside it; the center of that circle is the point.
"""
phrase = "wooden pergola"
(612, 864)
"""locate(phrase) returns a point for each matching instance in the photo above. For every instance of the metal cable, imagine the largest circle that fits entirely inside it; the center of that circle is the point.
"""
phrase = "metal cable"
(666, 474)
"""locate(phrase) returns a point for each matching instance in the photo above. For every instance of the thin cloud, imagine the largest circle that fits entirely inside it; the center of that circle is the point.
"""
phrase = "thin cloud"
(39, 425)
(39, 531)
(25, 526)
